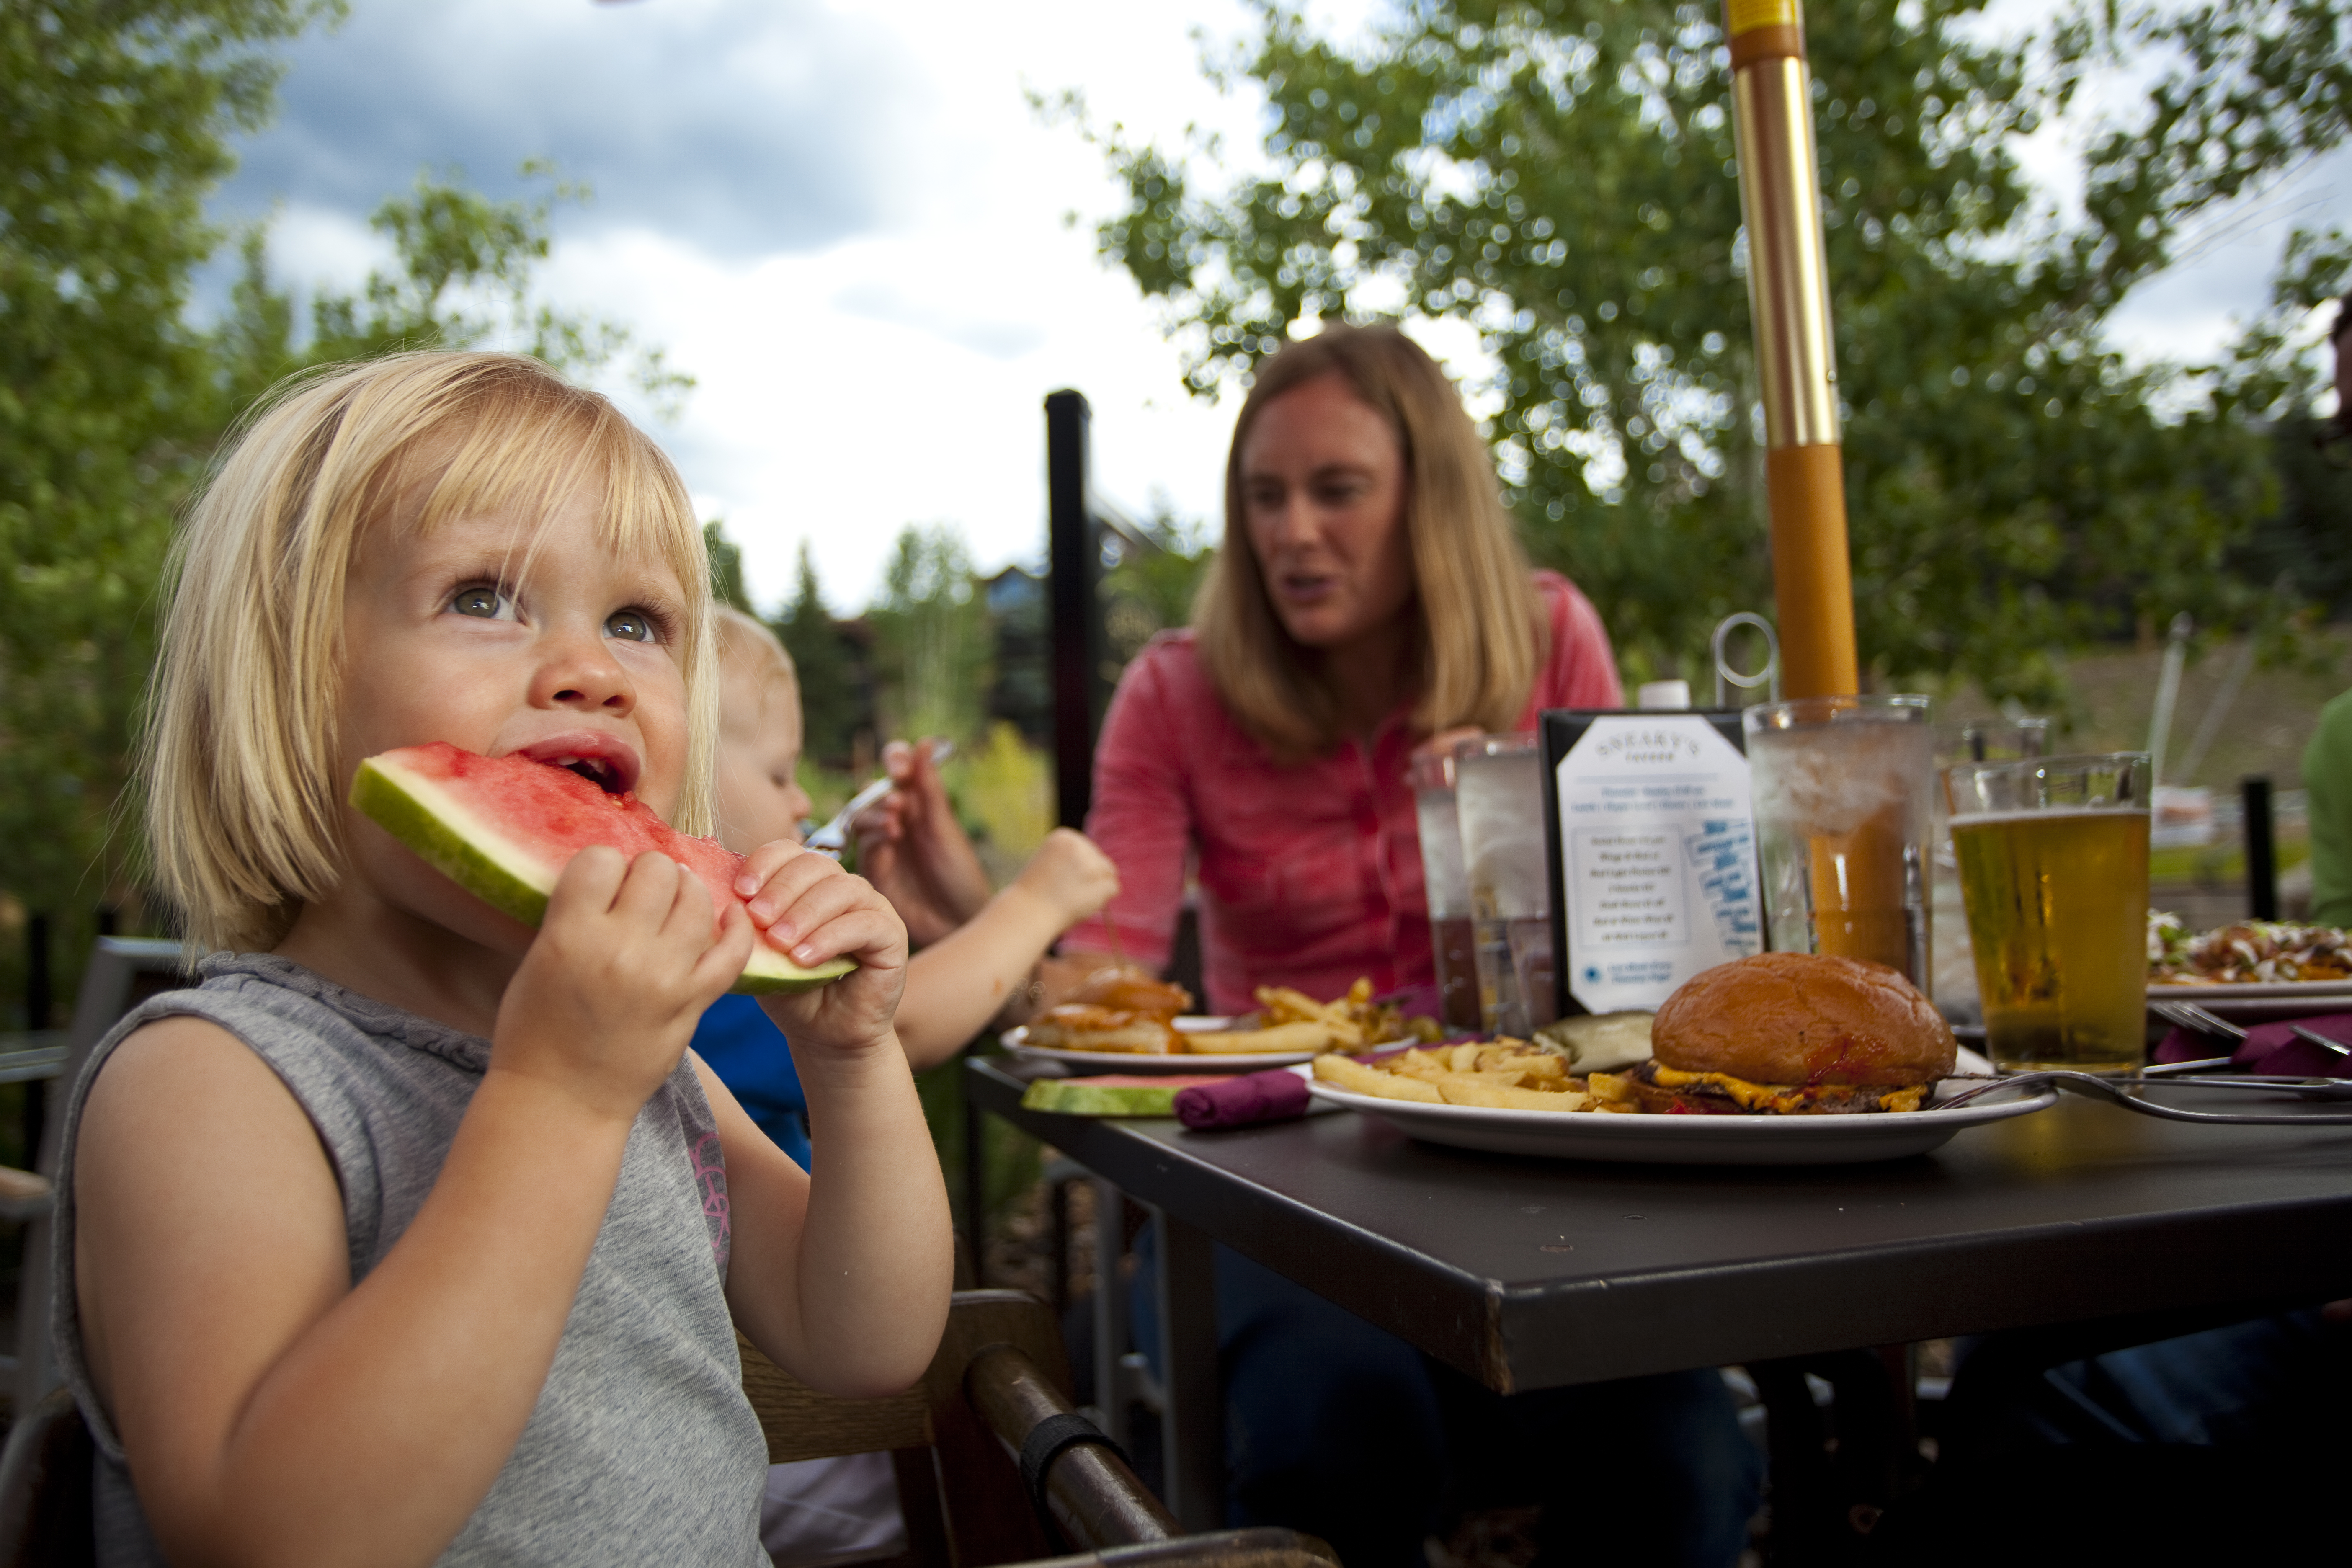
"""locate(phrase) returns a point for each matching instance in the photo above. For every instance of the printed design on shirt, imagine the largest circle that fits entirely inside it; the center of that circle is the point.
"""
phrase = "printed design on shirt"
(711, 1175)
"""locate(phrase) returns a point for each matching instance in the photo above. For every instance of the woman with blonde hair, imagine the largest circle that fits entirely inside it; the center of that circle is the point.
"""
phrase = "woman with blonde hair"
(1371, 601)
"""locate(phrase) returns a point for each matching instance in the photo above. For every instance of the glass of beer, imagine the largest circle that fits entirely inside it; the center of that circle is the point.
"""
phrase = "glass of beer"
(2053, 872)
(1844, 793)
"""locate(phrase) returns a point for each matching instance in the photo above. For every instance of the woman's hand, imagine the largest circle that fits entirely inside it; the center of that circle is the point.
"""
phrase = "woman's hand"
(810, 910)
(1070, 875)
(910, 846)
(609, 992)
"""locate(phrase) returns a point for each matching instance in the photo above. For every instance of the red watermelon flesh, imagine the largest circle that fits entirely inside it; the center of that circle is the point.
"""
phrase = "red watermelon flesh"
(504, 828)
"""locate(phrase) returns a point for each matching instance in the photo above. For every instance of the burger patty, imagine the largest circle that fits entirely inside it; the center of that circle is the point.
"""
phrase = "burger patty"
(1666, 1091)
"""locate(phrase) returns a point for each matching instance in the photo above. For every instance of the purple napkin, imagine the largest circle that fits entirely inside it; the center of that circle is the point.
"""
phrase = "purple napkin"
(1244, 1101)
(2271, 1049)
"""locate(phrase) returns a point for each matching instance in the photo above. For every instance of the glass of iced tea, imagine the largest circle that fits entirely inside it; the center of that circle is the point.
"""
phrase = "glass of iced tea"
(2053, 872)
(1844, 791)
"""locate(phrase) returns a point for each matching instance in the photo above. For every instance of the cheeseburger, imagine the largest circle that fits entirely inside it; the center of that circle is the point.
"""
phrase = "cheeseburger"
(1794, 1034)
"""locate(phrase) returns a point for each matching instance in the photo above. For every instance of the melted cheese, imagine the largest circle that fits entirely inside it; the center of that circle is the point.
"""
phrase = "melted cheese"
(1783, 1099)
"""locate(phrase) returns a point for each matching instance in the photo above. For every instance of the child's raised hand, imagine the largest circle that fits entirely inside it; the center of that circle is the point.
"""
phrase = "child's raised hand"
(1070, 874)
(910, 846)
(607, 997)
(811, 910)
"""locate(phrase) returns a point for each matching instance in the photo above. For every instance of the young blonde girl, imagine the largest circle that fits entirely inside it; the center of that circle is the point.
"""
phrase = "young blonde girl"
(413, 1234)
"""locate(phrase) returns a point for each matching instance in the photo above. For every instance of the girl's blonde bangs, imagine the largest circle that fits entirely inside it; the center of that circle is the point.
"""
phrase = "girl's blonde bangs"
(244, 814)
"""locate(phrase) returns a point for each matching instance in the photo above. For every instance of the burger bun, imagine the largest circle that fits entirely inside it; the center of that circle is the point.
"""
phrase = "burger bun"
(1804, 1018)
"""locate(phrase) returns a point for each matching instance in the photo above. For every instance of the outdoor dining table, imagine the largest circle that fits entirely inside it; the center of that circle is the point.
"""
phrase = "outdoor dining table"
(1532, 1273)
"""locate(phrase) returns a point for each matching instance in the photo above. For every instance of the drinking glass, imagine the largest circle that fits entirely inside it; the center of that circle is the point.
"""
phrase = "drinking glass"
(1844, 799)
(1498, 793)
(1451, 938)
(2053, 872)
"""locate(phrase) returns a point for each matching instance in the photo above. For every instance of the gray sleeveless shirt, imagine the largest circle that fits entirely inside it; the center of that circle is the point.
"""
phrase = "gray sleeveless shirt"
(642, 1447)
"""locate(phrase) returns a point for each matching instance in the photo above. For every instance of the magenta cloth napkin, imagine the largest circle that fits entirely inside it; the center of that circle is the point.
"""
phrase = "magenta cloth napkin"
(2271, 1050)
(1244, 1101)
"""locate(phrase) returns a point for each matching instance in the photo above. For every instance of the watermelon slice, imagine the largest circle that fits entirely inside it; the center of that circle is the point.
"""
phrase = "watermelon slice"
(503, 828)
(1114, 1094)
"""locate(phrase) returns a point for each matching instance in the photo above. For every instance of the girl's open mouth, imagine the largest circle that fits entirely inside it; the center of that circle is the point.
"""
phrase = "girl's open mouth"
(603, 761)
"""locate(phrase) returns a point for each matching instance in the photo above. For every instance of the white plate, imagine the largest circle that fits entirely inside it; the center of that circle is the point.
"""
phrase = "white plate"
(1693, 1140)
(2278, 999)
(1016, 1041)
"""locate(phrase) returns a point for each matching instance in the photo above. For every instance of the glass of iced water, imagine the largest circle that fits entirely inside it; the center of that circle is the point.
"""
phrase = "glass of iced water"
(1442, 873)
(1499, 794)
(1845, 825)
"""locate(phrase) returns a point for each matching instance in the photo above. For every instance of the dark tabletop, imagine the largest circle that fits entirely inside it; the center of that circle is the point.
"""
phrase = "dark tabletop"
(1530, 1273)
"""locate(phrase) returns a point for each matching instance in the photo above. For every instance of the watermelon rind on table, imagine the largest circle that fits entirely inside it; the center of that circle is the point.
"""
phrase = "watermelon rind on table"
(503, 828)
(1113, 1095)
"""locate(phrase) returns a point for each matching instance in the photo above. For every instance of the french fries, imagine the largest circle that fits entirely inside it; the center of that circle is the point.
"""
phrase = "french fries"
(1501, 1075)
(1357, 1078)
(1494, 1097)
(1315, 1036)
(1350, 1024)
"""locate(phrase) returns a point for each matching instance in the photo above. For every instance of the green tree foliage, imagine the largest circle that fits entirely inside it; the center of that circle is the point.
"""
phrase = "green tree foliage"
(933, 640)
(1151, 587)
(726, 567)
(834, 696)
(462, 280)
(1561, 174)
(117, 116)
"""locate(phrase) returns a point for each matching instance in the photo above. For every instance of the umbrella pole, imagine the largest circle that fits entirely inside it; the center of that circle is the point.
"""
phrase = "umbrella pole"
(1858, 877)
(1788, 292)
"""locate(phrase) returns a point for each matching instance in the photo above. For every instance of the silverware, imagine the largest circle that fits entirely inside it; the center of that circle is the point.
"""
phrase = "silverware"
(2316, 1039)
(2197, 1020)
(2117, 1091)
(834, 838)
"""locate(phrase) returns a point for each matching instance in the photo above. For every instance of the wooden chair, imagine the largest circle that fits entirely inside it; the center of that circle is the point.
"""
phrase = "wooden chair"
(994, 1461)
(993, 1464)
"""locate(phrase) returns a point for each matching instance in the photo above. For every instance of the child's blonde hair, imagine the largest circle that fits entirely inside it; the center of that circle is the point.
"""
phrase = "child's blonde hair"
(244, 807)
(749, 651)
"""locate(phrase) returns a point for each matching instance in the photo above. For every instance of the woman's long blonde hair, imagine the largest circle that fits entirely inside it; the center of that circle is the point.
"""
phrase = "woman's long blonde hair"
(242, 747)
(1479, 627)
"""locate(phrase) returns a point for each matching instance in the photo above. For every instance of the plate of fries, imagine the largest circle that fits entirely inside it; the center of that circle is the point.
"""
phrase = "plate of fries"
(1289, 1027)
(1513, 1097)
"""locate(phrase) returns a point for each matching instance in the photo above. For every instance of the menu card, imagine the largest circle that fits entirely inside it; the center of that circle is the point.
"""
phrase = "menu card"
(1651, 848)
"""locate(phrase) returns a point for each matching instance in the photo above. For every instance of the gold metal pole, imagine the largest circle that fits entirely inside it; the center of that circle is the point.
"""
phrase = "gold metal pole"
(1858, 877)
(1788, 293)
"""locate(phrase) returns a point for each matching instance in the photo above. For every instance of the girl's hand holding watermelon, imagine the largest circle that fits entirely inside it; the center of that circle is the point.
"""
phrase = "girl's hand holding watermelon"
(607, 996)
(812, 912)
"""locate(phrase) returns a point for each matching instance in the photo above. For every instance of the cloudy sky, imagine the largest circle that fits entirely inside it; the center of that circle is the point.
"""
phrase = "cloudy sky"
(843, 217)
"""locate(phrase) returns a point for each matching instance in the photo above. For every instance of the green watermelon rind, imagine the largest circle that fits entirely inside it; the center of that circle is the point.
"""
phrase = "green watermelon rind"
(1066, 1097)
(446, 835)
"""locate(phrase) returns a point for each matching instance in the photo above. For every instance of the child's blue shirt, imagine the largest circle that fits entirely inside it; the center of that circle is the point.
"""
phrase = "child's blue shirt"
(745, 1048)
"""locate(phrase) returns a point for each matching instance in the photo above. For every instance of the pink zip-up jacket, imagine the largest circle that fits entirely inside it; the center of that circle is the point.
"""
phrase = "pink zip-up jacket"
(1310, 873)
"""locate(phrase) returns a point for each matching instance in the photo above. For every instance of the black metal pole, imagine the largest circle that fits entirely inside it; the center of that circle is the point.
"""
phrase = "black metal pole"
(2262, 849)
(1073, 575)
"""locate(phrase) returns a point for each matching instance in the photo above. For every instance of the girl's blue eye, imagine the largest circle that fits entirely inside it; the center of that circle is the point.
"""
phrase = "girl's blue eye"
(630, 626)
(487, 604)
